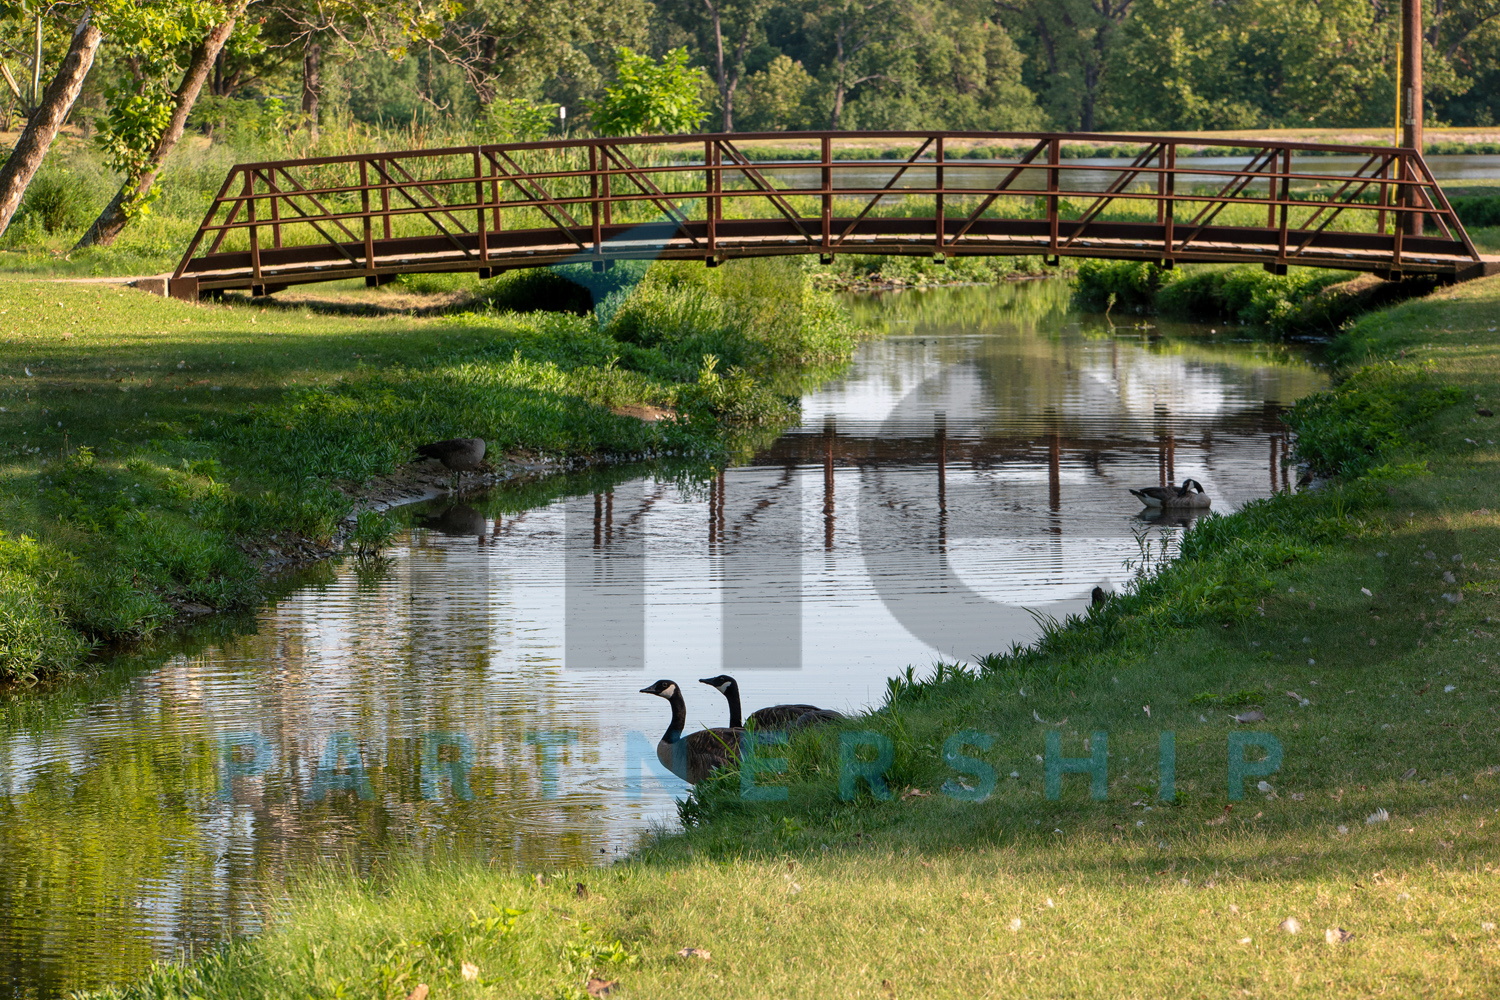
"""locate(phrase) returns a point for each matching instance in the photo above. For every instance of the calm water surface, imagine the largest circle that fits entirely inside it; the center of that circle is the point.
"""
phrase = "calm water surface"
(480, 695)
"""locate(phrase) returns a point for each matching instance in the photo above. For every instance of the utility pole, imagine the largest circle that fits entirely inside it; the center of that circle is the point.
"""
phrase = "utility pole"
(1411, 100)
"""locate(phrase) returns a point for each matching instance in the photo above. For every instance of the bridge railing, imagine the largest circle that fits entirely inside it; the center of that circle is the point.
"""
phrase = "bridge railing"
(714, 197)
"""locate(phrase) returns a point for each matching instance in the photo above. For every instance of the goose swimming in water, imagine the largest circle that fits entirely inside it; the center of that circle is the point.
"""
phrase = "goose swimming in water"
(774, 717)
(1189, 494)
(693, 756)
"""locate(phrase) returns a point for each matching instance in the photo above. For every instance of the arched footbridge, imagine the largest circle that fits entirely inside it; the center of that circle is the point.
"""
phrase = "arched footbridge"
(487, 209)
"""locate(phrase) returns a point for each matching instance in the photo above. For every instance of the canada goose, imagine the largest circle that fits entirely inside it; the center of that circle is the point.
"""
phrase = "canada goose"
(458, 455)
(775, 717)
(1189, 494)
(693, 756)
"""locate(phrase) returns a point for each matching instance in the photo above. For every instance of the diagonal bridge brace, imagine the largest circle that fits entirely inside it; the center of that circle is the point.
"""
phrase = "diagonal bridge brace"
(648, 187)
(1129, 174)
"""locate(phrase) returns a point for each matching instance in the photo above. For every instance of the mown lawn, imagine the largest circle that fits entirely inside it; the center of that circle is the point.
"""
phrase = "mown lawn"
(1357, 618)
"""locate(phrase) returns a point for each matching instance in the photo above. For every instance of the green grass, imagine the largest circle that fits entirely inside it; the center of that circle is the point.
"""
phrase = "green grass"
(149, 446)
(1325, 610)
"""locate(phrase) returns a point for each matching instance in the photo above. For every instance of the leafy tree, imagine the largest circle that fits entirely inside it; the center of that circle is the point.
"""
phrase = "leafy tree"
(51, 112)
(143, 126)
(1200, 64)
(779, 97)
(650, 97)
(943, 69)
(1069, 43)
(724, 31)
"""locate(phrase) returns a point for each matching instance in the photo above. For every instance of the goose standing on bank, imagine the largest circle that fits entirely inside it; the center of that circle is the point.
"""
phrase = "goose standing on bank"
(775, 717)
(458, 455)
(694, 756)
(1189, 495)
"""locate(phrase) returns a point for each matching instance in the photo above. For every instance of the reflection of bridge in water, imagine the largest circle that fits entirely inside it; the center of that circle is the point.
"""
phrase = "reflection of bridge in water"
(942, 452)
(486, 209)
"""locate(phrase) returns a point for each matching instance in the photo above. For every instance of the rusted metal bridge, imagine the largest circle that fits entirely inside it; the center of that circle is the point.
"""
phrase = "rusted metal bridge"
(487, 209)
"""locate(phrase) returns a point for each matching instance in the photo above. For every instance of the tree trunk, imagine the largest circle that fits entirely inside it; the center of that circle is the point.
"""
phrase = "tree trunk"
(312, 84)
(57, 102)
(114, 217)
(838, 88)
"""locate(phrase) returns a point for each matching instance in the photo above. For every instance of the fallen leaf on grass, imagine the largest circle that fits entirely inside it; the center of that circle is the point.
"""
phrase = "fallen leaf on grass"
(1291, 925)
(420, 993)
(1410, 774)
(1015, 925)
(1254, 715)
(1044, 722)
(694, 953)
(1337, 935)
(1219, 820)
(601, 987)
(469, 971)
(915, 793)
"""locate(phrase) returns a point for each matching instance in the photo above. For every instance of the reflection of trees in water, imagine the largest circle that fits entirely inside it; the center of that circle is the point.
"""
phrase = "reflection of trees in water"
(132, 830)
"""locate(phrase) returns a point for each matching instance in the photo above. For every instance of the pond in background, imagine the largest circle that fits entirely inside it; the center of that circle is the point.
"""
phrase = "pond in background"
(479, 695)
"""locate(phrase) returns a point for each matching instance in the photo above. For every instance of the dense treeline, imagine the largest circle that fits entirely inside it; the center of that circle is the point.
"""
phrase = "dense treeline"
(995, 64)
(137, 75)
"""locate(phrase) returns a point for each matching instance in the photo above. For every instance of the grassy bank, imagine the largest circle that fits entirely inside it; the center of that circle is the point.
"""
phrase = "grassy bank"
(1357, 619)
(155, 451)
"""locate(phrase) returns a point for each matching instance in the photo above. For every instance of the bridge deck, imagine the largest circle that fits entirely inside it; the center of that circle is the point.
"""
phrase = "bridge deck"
(491, 208)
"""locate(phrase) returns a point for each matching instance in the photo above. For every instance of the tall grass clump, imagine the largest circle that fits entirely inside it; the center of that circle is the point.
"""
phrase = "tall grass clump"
(1303, 302)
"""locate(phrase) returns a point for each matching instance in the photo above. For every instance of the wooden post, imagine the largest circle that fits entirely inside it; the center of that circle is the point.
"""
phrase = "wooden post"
(1411, 119)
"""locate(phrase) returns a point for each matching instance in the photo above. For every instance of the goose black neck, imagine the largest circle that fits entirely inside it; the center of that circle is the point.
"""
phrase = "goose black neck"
(679, 717)
(733, 697)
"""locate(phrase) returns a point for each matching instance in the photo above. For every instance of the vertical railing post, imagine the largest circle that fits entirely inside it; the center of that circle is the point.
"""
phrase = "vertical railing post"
(1285, 198)
(595, 219)
(609, 204)
(497, 220)
(364, 207)
(385, 199)
(827, 150)
(711, 182)
(1169, 202)
(481, 228)
(938, 207)
(1161, 185)
(1054, 158)
(1403, 174)
(254, 230)
(275, 211)
(1385, 193)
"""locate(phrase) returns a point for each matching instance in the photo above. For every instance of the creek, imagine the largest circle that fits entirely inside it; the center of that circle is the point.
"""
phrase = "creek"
(477, 694)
